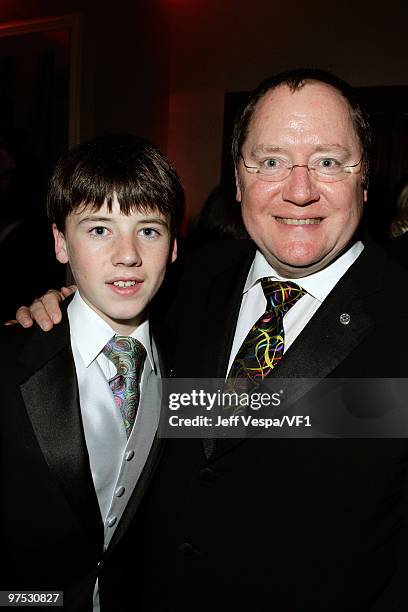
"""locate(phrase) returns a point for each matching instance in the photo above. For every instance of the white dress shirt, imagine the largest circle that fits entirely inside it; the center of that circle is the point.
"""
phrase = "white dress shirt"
(317, 285)
(116, 462)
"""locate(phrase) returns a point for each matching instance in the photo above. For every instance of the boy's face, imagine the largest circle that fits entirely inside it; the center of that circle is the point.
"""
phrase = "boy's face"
(118, 261)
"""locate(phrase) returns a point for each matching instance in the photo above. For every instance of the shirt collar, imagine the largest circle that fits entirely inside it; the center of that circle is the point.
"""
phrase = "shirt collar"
(91, 333)
(318, 284)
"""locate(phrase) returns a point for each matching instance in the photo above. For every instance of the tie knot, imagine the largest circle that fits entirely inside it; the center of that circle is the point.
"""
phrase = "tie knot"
(127, 353)
(281, 295)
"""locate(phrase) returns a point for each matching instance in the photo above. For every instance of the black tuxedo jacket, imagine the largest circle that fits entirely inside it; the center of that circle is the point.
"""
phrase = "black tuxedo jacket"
(51, 528)
(287, 525)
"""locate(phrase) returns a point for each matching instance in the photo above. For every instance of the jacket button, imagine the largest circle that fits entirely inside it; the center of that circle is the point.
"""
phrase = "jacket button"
(111, 520)
(207, 474)
(186, 549)
(99, 565)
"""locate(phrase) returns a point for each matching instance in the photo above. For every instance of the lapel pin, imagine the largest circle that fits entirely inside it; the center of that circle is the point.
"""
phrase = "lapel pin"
(345, 318)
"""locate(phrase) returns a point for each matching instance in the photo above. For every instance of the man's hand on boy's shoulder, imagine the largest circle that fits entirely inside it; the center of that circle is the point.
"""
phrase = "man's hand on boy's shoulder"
(45, 310)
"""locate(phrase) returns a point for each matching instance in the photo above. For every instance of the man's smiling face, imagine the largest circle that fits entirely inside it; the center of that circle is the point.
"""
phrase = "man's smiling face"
(118, 261)
(301, 224)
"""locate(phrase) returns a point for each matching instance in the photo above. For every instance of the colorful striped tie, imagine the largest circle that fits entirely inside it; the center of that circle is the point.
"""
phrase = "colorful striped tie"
(128, 355)
(262, 349)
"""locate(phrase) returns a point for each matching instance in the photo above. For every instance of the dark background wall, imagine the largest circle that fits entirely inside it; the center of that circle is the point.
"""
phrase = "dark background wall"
(229, 46)
(161, 68)
(124, 82)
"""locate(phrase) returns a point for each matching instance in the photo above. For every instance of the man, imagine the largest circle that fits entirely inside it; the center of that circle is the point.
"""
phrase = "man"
(80, 406)
(283, 524)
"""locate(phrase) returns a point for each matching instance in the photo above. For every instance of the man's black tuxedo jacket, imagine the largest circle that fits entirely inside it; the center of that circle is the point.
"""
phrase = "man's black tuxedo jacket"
(51, 528)
(284, 525)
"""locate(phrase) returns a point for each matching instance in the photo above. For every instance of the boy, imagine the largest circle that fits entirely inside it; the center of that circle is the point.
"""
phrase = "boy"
(81, 404)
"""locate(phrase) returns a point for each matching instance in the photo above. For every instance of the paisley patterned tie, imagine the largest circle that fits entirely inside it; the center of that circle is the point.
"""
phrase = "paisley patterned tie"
(128, 355)
(263, 347)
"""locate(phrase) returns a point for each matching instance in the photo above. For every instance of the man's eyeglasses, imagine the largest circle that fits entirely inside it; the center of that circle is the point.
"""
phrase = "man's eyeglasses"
(326, 169)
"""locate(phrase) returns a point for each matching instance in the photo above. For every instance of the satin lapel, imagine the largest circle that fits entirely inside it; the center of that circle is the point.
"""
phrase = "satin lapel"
(325, 342)
(223, 305)
(51, 399)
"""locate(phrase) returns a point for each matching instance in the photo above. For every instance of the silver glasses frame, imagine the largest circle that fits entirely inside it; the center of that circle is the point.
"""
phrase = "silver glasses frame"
(344, 170)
